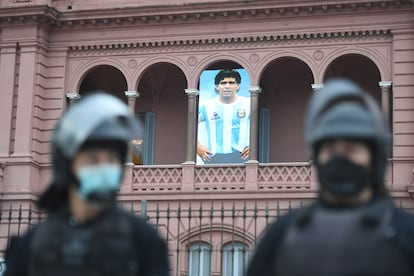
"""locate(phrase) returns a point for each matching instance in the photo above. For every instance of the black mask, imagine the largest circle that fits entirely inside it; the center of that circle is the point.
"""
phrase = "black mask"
(340, 176)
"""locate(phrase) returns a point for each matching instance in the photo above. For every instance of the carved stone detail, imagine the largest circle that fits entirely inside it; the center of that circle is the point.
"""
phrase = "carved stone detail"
(192, 61)
(254, 58)
(318, 55)
(225, 42)
(53, 17)
(132, 63)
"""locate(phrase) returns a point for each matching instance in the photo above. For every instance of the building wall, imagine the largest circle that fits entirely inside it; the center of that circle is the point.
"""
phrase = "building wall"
(49, 48)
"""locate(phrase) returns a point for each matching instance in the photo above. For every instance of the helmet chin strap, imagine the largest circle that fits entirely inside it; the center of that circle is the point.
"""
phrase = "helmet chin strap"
(364, 196)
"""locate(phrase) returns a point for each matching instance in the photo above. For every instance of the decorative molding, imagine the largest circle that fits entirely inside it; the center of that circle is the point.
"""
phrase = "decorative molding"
(219, 178)
(277, 177)
(185, 13)
(152, 179)
(132, 63)
(192, 61)
(318, 55)
(254, 58)
(242, 41)
(289, 177)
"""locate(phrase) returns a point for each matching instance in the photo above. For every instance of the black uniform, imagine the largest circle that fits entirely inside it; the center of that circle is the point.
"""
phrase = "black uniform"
(372, 239)
(60, 247)
(110, 241)
(353, 229)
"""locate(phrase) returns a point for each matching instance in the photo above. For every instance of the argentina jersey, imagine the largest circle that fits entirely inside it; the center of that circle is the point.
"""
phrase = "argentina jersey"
(226, 126)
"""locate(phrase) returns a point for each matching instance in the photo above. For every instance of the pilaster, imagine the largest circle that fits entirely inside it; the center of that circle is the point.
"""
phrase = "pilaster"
(7, 79)
(25, 95)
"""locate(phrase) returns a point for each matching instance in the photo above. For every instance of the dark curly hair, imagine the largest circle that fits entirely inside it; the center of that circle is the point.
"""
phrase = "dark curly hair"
(227, 73)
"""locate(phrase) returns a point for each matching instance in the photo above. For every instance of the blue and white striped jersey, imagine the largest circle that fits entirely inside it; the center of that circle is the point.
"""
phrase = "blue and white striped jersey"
(226, 126)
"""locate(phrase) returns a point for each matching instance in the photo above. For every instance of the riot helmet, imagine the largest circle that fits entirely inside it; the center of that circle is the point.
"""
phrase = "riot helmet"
(97, 120)
(342, 110)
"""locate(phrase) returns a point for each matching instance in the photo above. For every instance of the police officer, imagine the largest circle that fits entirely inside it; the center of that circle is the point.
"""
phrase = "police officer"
(352, 228)
(85, 232)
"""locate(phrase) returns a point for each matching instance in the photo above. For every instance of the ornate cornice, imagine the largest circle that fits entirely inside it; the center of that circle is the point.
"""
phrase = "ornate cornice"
(35, 14)
(241, 40)
(235, 10)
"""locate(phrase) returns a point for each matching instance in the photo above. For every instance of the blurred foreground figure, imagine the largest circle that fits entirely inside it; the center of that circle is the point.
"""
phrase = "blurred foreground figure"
(353, 228)
(86, 233)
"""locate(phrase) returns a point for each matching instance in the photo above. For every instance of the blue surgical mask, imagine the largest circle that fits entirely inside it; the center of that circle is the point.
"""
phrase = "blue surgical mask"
(99, 182)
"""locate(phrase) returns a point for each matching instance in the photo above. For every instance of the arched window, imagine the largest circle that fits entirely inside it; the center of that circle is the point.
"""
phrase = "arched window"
(235, 259)
(199, 263)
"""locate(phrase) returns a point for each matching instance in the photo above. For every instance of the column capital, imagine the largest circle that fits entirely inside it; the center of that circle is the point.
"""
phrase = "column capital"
(191, 91)
(255, 89)
(317, 86)
(131, 94)
(385, 84)
(73, 96)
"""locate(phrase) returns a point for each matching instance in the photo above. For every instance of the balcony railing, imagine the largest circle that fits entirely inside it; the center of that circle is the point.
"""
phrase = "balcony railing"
(223, 177)
(181, 224)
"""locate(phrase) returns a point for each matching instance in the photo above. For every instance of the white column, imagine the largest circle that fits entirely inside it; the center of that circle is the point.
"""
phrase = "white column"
(73, 97)
(317, 86)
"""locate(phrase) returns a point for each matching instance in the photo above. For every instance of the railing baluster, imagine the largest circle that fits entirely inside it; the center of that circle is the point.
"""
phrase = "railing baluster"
(244, 215)
(266, 215)
(277, 210)
(178, 239)
(222, 232)
(29, 216)
(144, 209)
(19, 220)
(255, 221)
(8, 228)
(211, 222)
(168, 222)
(157, 216)
(200, 217)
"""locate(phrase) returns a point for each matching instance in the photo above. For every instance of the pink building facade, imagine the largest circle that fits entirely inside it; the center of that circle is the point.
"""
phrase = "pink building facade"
(151, 54)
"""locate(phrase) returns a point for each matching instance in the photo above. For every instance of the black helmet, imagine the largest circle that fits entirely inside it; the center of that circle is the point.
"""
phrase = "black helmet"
(343, 110)
(97, 119)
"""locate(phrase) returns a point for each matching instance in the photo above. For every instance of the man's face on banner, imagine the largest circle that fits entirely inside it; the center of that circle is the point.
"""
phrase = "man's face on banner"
(227, 88)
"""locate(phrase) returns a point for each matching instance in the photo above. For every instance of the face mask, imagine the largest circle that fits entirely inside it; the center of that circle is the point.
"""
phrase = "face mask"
(99, 183)
(340, 176)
